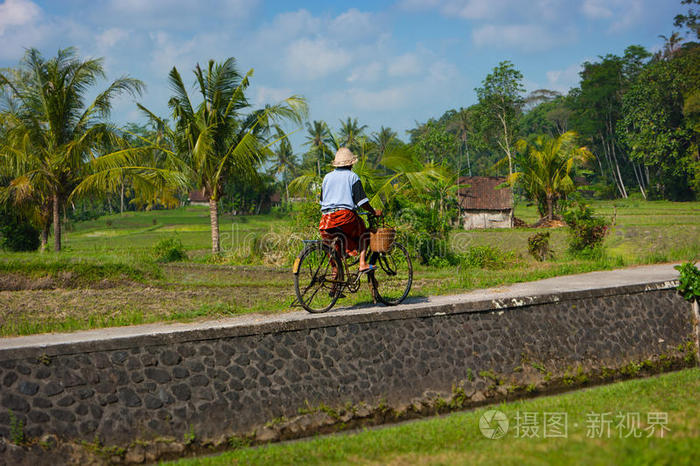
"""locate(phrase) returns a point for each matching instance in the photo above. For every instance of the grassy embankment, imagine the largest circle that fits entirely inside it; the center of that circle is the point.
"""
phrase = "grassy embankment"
(457, 438)
(106, 275)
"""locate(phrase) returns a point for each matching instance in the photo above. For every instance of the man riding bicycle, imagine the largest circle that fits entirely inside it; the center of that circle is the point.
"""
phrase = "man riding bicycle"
(341, 194)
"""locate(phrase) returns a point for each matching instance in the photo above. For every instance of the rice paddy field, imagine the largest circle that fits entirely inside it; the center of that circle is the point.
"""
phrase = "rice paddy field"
(107, 276)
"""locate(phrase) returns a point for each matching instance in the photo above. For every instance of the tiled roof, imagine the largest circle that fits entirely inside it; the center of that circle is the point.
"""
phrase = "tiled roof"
(483, 194)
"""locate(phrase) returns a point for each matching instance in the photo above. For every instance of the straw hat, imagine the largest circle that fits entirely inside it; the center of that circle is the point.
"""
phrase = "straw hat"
(344, 157)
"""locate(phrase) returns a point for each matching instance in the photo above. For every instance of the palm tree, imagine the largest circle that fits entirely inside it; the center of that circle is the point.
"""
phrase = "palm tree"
(382, 141)
(285, 160)
(316, 140)
(545, 168)
(52, 137)
(672, 44)
(215, 140)
(351, 133)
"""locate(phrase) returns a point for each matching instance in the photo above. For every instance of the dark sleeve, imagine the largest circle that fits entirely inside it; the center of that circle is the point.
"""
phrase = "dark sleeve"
(358, 194)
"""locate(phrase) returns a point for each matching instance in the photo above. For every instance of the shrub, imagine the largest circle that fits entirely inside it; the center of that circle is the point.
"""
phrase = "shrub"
(587, 231)
(538, 246)
(487, 257)
(169, 250)
(689, 282)
(424, 232)
(307, 214)
(17, 233)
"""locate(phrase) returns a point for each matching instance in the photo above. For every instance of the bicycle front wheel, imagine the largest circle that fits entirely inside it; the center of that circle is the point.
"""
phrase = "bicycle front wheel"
(394, 275)
(318, 278)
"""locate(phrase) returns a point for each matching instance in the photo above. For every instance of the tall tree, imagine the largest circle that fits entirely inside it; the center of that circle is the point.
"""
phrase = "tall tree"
(501, 100)
(52, 133)
(463, 125)
(691, 19)
(215, 139)
(660, 123)
(597, 104)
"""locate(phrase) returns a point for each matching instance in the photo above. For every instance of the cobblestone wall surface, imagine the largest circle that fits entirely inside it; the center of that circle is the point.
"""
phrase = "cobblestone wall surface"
(216, 383)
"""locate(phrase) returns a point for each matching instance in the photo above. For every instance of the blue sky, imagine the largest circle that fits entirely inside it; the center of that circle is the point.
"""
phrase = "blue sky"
(388, 63)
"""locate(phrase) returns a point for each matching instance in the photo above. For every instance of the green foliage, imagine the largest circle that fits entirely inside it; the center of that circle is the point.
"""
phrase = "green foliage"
(17, 435)
(17, 233)
(214, 140)
(169, 250)
(538, 246)
(189, 437)
(500, 103)
(587, 231)
(53, 136)
(487, 257)
(425, 231)
(659, 122)
(83, 271)
(689, 281)
(545, 166)
(306, 214)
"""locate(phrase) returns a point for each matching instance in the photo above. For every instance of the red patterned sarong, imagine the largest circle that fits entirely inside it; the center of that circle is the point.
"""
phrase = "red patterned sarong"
(346, 225)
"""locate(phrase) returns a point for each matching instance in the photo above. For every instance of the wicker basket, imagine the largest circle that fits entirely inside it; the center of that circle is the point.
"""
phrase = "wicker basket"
(382, 239)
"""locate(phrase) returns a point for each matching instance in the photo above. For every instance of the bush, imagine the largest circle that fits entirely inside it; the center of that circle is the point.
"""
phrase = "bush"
(17, 233)
(424, 232)
(538, 246)
(487, 257)
(587, 232)
(307, 214)
(689, 282)
(169, 250)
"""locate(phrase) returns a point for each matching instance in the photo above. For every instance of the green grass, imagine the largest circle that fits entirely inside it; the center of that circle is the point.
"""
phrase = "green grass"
(456, 438)
(106, 276)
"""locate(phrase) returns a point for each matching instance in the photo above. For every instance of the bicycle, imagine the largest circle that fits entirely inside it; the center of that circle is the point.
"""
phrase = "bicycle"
(320, 273)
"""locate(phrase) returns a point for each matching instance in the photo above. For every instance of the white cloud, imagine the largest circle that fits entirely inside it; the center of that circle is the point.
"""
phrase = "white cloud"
(270, 95)
(17, 13)
(563, 80)
(313, 59)
(465, 9)
(370, 72)
(147, 15)
(621, 14)
(526, 37)
(596, 9)
(111, 37)
(353, 25)
(442, 70)
(288, 26)
(403, 65)
(386, 99)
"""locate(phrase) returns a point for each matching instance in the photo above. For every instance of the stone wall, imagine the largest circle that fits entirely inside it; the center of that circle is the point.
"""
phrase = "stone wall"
(220, 380)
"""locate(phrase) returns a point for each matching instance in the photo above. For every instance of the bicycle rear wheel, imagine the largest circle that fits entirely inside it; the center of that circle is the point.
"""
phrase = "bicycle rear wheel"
(394, 275)
(316, 284)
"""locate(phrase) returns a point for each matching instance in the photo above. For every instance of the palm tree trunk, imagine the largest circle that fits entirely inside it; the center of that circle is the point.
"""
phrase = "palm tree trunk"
(121, 198)
(214, 219)
(44, 236)
(56, 222)
(550, 208)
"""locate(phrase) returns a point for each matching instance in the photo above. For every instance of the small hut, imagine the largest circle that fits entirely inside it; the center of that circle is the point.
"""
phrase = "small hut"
(198, 197)
(483, 204)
